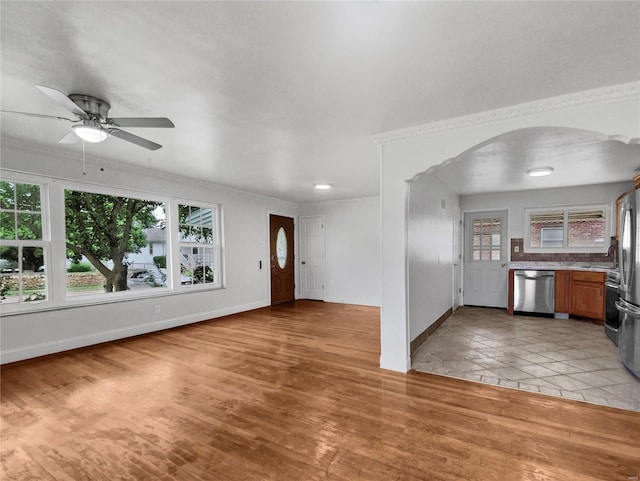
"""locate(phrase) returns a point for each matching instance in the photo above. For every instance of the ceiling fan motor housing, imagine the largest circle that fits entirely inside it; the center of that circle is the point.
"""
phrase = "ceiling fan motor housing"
(94, 106)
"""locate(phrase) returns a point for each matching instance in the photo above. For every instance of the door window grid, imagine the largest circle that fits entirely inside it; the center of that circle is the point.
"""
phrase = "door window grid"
(487, 239)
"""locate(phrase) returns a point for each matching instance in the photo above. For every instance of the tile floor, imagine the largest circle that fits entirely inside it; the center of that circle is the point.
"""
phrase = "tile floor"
(567, 358)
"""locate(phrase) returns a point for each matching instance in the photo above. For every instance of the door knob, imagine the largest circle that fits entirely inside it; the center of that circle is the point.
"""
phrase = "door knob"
(303, 262)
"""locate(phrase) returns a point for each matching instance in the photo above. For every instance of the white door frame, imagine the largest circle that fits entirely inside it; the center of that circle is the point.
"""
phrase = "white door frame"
(319, 293)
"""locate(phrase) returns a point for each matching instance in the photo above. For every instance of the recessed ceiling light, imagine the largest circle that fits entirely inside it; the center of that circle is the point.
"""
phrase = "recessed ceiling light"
(322, 186)
(540, 172)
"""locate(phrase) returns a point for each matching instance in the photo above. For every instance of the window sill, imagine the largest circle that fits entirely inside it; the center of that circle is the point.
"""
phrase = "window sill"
(88, 301)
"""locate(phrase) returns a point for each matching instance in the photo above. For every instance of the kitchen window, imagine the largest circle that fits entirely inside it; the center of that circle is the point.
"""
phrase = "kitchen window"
(567, 229)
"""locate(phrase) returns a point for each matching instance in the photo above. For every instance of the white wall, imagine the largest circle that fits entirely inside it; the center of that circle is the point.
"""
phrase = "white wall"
(610, 111)
(352, 249)
(432, 210)
(246, 242)
(518, 201)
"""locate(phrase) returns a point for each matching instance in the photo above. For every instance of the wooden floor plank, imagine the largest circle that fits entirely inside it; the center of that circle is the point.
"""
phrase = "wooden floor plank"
(291, 392)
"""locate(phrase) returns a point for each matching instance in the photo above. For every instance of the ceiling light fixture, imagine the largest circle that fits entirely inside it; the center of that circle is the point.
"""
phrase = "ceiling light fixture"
(90, 131)
(322, 186)
(540, 172)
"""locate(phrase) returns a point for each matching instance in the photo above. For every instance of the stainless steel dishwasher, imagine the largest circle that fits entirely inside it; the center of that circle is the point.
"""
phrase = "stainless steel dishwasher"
(534, 291)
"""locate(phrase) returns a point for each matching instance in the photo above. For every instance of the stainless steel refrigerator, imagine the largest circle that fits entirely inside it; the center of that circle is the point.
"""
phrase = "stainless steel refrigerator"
(629, 302)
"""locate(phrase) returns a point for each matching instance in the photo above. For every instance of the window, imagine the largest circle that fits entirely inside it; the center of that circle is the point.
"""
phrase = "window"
(106, 244)
(486, 239)
(107, 233)
(199, 245)
(577, 229)
(23, 244)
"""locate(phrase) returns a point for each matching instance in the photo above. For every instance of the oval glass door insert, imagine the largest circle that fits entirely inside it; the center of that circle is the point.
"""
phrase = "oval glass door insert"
(281, 247)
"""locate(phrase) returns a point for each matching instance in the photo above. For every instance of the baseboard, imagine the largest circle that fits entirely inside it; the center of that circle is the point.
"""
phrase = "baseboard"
(395, 364)
(36, 350)
(355, 302)
(420, 338)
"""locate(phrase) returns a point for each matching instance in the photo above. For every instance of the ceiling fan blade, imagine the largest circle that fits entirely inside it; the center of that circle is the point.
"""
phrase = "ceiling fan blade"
(70, 138)
(38, 115)
(150, 122)
(62, 100)
(147, 144)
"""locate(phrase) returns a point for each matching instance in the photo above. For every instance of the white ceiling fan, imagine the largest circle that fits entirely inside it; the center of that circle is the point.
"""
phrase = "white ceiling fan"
(93, 123)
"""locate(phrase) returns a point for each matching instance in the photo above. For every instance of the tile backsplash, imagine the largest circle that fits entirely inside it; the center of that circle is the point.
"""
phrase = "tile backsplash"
(521, 255)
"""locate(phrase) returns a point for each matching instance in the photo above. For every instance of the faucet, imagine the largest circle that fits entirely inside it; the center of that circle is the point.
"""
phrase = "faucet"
(613, 252)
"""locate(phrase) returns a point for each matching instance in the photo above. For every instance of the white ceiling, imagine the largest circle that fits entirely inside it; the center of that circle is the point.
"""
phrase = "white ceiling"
(577, 157)
(272, 97)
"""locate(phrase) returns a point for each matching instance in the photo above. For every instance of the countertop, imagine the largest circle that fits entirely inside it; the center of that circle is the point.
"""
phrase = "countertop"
(562, 266)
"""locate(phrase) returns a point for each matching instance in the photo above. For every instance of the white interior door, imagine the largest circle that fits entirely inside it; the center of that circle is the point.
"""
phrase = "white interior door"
(457, 260)
(312, 257)
(485, 259)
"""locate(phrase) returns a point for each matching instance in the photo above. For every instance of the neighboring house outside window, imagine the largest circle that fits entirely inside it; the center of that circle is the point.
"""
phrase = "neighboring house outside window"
(199, 244)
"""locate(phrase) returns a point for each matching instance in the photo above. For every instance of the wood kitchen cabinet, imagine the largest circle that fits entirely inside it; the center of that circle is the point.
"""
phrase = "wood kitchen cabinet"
(563, 291)
(587, 294)
(579, 293)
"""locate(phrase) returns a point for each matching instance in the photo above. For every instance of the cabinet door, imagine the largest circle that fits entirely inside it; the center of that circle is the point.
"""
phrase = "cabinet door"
(587, 299)
(563, 291)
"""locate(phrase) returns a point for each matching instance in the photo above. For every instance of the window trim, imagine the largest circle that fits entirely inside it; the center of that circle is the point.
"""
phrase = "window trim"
(565, 248)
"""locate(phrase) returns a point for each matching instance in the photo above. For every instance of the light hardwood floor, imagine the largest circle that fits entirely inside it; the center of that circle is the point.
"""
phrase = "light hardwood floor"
(290, 393)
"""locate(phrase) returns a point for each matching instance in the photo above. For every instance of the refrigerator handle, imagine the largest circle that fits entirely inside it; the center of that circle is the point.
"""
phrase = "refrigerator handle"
(626, 264)
(627, 308)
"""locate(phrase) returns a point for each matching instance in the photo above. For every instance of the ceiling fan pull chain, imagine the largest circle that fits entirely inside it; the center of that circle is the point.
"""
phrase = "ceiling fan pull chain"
(84, 161)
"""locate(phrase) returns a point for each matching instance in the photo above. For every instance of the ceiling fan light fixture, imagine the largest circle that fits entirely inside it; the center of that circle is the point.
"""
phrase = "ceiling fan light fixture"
(89, 133)
(540, 172)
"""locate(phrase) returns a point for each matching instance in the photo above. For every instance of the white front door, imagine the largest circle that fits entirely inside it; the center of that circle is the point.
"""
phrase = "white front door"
(312, 257)
(485, 259)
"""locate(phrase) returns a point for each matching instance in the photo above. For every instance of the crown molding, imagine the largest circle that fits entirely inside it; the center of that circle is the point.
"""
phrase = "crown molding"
(611, 93)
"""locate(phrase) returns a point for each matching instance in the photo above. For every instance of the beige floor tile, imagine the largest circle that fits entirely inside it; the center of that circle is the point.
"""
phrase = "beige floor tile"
(542, 383)
(528, 387)
(565, 382)
(490, 362)
(557, 356)
(551, 391)
(565, 358)
(561, 367)
(592, 379)
(572, 395)
(585, 365)
(537, 370)
(511, 373)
